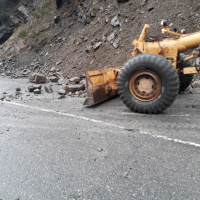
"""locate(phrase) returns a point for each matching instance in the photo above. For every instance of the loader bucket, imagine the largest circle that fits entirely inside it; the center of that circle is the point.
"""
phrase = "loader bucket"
(101, 85)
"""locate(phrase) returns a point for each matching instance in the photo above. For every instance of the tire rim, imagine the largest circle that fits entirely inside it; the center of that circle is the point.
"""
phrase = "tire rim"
(145, 85)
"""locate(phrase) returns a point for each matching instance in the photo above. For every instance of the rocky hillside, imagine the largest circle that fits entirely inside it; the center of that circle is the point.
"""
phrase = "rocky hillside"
(84, 34)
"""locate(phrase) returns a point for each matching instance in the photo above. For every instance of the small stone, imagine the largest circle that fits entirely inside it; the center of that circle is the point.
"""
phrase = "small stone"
(111, 36)
(115, 21)
(18, 89)
(61, 92)
(37, 91)
(144, 2)
(48, 89)
(82, 76)
(59, 62)
(75, 80)
(53, 79)
(104, 38)
(56, 19)
(150, 8)
(116, 44)
(100, 149)
(88, 49)
(53, 69)
(17, 93)
(97, 45)
(60, 39)
(126, 174)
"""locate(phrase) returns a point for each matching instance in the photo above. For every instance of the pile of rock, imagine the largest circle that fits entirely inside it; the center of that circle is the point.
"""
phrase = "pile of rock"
(74, 87)
(194, 88)
(8, 67)
(8, 97)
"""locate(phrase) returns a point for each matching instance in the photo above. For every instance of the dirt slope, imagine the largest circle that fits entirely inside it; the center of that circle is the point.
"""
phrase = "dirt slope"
(84, 38)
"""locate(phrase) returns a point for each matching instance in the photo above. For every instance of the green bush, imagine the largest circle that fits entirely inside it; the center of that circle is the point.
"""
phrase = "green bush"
(23, 34)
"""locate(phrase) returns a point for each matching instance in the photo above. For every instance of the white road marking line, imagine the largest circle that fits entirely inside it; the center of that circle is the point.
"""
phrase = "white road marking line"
(109, 124)
(166, 115)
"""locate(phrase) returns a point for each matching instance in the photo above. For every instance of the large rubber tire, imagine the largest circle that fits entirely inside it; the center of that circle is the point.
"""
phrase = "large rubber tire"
(163, 78)
(185, 79)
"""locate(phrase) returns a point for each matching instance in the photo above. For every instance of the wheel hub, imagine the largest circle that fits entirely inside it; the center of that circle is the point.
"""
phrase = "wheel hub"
(145, 85)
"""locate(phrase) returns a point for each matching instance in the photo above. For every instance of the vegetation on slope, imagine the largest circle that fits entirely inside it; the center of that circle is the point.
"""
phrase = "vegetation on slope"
(4, 16)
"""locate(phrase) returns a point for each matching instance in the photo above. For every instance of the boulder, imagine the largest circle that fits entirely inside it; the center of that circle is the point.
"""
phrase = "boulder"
(37, 78)
(63, 81)
(22, 13)
(34, 87)
(74, 88)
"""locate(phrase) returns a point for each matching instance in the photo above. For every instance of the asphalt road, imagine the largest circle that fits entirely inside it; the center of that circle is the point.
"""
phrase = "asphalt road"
(58, 149)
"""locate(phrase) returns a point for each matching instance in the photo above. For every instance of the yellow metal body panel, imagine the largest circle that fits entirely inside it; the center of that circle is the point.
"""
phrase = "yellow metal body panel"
(169, 47)
(101, 85)
(190, 70)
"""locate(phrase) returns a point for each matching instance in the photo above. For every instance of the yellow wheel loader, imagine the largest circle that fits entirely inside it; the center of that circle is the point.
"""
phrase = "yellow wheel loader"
(152, 78)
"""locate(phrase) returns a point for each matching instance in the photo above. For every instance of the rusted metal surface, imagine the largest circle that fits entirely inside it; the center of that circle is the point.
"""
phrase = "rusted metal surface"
(145, 85)
(101, 85)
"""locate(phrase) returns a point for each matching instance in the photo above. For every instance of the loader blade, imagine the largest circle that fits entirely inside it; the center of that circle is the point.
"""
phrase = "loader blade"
(101, 85)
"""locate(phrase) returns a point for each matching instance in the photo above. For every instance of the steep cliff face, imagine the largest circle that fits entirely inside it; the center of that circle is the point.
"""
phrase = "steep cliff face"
(86, 34)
